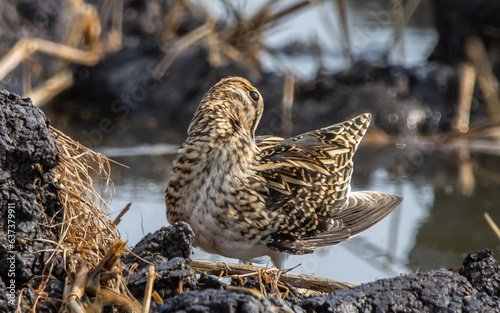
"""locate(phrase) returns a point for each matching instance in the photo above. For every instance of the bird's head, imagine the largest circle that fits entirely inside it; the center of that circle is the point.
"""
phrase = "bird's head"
(231, 105)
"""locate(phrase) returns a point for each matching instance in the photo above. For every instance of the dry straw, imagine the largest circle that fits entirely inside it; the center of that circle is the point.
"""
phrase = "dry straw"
(89, 245)
(86, 229)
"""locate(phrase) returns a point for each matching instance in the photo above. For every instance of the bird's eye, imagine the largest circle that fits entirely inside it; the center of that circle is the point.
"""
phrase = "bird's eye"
(254, 95)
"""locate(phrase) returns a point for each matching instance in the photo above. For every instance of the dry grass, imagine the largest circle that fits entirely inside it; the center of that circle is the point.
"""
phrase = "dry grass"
(270, 278)
(89, 243)
(492, 224)
(86, 228)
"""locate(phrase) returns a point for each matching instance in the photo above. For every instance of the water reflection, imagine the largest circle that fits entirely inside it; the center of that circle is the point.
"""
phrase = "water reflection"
(456, 225)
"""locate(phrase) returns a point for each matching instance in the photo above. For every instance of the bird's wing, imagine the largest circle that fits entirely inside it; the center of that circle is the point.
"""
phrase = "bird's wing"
(298, 160)
(309, 178)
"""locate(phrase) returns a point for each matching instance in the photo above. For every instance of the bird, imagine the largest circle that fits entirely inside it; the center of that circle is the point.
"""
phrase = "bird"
(248, 197)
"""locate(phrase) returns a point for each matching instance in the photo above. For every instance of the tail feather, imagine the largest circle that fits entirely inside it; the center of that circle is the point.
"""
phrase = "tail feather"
(363, 210)
(366, 208)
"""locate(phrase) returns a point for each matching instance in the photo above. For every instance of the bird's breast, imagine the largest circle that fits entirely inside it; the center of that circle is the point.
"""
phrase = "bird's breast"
(209, 177)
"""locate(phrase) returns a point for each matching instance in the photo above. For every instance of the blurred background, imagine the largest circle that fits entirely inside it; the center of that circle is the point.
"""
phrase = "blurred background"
(125, 77)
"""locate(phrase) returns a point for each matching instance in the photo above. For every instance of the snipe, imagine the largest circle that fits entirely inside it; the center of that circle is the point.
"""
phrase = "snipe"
(246, 196)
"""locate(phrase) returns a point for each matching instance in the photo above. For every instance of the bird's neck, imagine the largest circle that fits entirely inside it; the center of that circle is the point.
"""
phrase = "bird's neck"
(224, 150)
(221, 141)
(218, 121)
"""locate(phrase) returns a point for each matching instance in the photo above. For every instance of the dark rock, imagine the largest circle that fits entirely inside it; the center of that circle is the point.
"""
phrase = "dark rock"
(171, 274)
(55, 289)
(483, 272)
(433, 291)
(290, 293)
(206, 281)
(247, 283)
(168, 249)
(295, 295)
(29, 192)
(224, 301)
(172, 241)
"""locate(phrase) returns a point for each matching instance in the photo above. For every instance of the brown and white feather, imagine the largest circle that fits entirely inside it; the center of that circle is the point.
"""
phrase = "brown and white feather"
(246, 197)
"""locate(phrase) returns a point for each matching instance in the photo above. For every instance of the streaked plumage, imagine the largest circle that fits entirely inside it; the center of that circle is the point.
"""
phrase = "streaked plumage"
(245, 197)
